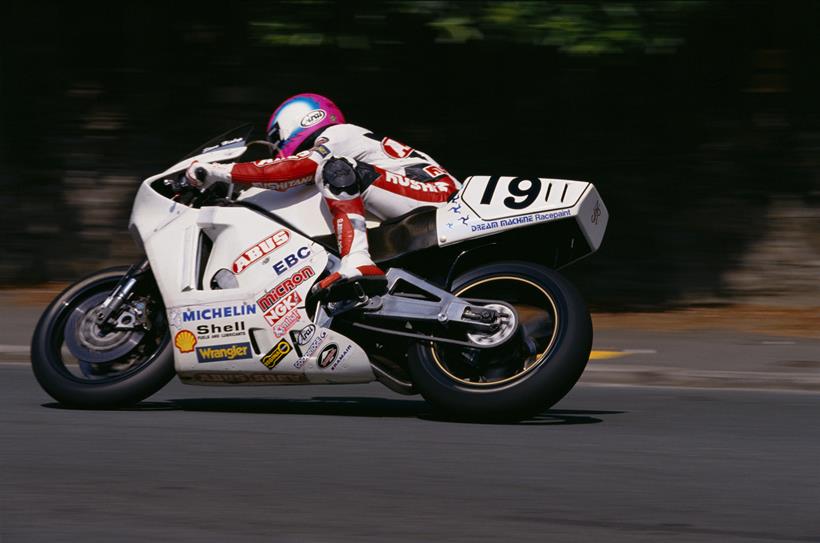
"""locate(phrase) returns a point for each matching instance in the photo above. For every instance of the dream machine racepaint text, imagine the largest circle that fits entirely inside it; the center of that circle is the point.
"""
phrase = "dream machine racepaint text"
(475, 317)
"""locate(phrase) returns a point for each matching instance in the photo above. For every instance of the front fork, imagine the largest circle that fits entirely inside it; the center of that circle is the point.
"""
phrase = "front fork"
(112, 305)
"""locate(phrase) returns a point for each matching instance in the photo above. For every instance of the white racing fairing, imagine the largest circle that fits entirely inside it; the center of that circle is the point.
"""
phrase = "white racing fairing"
(488, 205)
(254, 328)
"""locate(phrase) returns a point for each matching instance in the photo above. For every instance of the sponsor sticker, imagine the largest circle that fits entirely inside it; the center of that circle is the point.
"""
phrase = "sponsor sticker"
(341, 357)
(435, 170)
(279, 351)
(395, 149)
(247, 378)
(254, 253)
(223, 353)
(291, 260)
(282, 308)
(430, 186)
(315, 343)
(213, 331)
(286, 323)
(276, 293)
(313, 117)
(523, 219)
(185, 340)
(209, 313)
(301, 337)
(328, 355)
(596, 212)
(323, 151)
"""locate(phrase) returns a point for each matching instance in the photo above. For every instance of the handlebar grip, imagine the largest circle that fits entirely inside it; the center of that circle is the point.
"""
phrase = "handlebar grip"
(201, 174)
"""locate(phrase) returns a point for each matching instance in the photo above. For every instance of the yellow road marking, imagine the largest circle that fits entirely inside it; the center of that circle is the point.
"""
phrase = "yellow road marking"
(605, 355)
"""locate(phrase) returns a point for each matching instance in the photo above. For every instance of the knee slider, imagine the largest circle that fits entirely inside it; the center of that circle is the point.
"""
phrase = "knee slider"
(340, 177)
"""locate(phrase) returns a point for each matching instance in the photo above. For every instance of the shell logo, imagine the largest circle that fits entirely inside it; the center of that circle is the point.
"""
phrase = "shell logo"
(185, 341)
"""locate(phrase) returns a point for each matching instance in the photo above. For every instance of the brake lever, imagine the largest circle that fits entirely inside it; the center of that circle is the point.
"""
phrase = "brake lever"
(177, 185)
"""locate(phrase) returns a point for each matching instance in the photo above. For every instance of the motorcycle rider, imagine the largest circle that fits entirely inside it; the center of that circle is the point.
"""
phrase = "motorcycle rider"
(353, 168)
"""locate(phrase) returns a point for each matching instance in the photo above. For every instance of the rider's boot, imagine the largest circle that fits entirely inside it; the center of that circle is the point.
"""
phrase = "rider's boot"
(340, 187)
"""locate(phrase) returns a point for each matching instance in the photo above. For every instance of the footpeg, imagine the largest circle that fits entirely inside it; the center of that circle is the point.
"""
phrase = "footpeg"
(357, 288)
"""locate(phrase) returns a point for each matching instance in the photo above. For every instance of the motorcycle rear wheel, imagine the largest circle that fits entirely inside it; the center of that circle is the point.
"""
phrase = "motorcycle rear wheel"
(527, 374)
(121, 369)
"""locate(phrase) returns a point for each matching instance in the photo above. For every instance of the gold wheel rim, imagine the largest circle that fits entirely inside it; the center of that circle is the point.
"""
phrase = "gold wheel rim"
(539, 359)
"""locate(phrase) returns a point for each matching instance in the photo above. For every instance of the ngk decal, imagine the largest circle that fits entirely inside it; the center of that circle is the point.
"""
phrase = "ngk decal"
(267, 245)
(282, 308)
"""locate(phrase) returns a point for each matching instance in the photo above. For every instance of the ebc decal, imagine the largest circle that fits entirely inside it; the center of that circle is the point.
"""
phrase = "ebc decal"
(291, 260)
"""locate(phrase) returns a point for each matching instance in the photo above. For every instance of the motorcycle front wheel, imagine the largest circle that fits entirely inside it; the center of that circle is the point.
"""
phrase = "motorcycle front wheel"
(527, 374)
(80, 365)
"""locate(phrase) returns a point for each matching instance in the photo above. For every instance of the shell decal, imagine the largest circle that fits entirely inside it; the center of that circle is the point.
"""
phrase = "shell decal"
(185, 341)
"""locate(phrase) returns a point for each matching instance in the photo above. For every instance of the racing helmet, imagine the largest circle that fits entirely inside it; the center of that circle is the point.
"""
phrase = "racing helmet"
(298, 118)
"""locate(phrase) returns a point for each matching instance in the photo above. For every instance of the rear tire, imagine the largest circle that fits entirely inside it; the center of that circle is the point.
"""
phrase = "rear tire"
(535, 387)
(116, 389)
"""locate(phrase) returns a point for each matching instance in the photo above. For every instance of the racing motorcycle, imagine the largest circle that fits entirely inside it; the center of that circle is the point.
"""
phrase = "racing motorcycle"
(474, 317)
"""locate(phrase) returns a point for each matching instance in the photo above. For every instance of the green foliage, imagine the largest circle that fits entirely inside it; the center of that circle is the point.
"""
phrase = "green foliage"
(576, 28)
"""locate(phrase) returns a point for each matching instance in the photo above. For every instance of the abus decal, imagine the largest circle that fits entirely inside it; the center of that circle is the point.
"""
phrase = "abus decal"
(267, 245)
(282, 308)
(313, 117)
(277, 292)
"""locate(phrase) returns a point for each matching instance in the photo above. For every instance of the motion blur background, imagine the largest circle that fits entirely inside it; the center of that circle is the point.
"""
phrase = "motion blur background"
(698, 121)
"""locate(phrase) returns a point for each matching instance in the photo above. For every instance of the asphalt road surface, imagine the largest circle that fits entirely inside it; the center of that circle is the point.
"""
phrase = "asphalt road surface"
(358, 463)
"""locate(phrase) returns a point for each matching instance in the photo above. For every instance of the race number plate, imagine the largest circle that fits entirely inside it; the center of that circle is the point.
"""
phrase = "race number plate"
(496, 197)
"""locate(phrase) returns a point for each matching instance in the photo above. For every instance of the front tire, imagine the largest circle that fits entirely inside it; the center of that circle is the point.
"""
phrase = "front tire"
(515, 383)
(142, 366)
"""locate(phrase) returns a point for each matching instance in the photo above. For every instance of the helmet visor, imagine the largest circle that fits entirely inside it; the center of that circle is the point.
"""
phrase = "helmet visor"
(273, 135)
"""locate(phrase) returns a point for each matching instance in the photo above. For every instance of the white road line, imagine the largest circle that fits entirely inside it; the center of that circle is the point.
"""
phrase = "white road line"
(14, 349)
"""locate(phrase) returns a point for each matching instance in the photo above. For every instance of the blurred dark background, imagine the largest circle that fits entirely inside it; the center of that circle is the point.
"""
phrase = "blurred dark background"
(698, 121)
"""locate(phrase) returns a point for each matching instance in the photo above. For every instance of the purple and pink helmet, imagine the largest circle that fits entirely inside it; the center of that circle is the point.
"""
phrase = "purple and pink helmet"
(298, 118)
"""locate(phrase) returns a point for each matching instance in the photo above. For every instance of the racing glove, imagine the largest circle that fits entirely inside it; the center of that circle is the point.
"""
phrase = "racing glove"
(202, 175)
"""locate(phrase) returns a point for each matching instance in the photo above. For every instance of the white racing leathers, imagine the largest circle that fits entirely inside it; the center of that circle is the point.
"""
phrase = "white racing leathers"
(390, 179)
